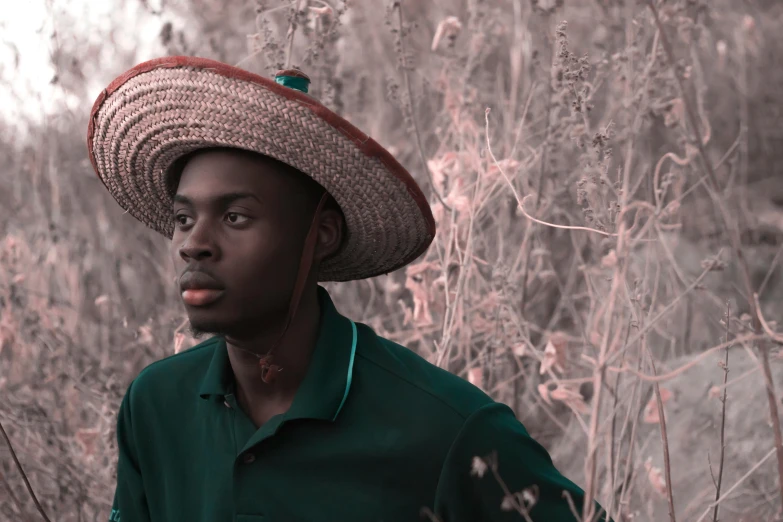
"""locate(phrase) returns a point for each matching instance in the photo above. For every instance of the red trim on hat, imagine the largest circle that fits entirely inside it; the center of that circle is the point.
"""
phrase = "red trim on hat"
(363, 142)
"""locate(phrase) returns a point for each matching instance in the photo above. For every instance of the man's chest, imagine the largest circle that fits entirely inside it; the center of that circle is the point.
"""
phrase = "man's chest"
(305, 471)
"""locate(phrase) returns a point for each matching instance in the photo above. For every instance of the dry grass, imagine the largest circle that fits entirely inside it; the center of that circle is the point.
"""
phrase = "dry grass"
(603, 184)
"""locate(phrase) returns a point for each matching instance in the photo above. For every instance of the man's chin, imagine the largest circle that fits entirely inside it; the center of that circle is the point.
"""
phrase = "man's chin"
(198, 330)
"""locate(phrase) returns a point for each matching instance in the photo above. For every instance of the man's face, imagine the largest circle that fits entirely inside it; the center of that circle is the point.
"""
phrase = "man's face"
(240, 223)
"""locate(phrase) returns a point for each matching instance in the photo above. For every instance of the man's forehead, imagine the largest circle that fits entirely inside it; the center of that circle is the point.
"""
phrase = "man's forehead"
(221, 198)
(222, 171)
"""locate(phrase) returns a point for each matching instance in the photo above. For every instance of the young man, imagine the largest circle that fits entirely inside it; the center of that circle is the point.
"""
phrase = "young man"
(290, 411)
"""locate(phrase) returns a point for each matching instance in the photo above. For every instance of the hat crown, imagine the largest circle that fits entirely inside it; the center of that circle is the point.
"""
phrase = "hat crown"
(293, 79)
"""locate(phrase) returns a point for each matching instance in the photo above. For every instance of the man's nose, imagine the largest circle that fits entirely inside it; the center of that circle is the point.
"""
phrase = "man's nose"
(195, 252)
(197, 245)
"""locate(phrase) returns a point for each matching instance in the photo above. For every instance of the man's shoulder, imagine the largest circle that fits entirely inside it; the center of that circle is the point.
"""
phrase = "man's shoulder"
(176, 372)
(399, 371)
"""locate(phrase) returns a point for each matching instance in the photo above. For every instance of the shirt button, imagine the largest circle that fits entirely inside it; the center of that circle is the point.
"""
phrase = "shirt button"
(248, 458)
(226, 404)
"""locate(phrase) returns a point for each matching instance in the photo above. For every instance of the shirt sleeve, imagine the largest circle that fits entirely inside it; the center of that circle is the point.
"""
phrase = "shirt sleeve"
(130, 501)
(470, 491)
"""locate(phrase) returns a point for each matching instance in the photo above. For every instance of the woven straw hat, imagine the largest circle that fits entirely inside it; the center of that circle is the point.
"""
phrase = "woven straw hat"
(163, 109)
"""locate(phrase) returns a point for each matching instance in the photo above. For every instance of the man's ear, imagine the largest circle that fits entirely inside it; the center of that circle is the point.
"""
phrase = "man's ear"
(330, 234)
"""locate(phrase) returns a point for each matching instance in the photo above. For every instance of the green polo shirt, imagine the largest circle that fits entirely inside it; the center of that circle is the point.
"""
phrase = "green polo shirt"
(375, 433)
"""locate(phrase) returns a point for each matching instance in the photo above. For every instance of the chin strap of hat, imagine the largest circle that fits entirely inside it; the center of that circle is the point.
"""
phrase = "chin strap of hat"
(269, 369)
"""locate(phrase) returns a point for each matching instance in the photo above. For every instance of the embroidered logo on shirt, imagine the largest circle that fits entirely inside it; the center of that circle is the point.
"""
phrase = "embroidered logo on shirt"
(115, 515)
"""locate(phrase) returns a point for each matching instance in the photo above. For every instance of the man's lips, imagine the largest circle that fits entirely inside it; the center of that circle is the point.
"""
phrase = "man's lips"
(200, 296)
(199, 288)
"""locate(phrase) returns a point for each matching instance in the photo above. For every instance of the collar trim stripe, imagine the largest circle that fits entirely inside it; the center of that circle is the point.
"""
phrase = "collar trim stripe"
(350, 371)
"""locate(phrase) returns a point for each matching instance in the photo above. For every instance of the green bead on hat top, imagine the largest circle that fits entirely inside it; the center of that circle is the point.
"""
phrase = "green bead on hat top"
(293, 79)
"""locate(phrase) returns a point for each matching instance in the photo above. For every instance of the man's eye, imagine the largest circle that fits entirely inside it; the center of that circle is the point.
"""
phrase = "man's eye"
(235, 218)
(182, 219)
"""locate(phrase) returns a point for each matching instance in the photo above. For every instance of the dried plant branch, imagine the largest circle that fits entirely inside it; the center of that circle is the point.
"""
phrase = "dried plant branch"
(649, 324)
(521, 201)
(517, 506)
(464, 265)
(735, 380)
(571, 506)
(292, 26)
(736, 244)
(522, 119)
(685, 367)
(564, 227)
(635, 401)
(723, 417)
(620, 273)
(778, 338)
(657, 191)
(412, 107)
(544, 148)
(771, 270)
(24, 475)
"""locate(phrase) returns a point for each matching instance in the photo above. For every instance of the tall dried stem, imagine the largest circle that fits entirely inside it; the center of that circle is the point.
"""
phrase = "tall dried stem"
(723, 417)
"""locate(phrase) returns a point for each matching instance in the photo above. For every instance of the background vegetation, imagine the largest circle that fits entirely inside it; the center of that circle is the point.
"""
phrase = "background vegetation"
(606, 180)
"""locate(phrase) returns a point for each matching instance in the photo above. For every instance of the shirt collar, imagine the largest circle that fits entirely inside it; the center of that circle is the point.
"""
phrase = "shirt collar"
(327, 382)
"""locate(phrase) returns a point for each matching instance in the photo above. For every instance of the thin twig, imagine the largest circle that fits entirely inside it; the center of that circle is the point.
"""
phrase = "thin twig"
(613, 465)
(519, 508)
(564, 227)
(649, 324)
(24, 475)
(723, 417)
(701, 181)
(521, 201)
(778, 338)
(571, 505)
(522, 119)
(292, 25)
(665, 441)
(631, 441)
(737, 484)
(770, 270)
(742, 376)
(539, 187)
(14, 498)
(685, 367)
(412, 107)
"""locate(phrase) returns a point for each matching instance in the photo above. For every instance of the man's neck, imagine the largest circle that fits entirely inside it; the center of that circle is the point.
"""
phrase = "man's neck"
(262, 400)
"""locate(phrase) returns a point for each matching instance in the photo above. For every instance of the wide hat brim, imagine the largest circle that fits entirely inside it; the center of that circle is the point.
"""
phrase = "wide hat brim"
(163, 109)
